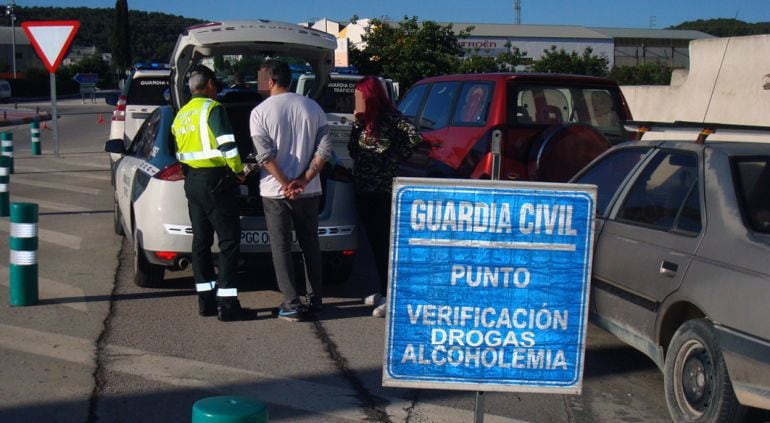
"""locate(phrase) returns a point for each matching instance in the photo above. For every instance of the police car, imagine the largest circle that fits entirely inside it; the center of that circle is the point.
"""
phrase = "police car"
(145, 89)
(150, 203)
(337, 99)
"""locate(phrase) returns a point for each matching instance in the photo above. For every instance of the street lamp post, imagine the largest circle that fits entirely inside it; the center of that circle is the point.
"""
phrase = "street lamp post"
(9, 12)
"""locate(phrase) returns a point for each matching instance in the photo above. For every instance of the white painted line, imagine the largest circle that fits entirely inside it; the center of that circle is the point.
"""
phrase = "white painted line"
(23, 180)
(51, 290)
(102, 162)
(312, 397)
(88, 174)
(53, 237)
(49, 204)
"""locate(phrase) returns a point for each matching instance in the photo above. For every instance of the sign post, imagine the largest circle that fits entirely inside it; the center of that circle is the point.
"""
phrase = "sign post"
(488, 286)
(51, 40)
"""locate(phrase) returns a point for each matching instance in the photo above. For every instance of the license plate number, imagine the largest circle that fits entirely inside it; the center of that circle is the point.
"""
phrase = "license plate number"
(260, 238)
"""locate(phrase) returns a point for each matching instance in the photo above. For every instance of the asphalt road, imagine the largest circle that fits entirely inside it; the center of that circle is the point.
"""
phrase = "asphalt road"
(99, 349)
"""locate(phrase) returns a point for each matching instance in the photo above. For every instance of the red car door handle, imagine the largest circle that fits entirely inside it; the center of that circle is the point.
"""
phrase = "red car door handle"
(668, 269)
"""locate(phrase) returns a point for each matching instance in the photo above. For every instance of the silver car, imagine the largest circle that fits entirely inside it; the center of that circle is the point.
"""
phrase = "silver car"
(681, 269)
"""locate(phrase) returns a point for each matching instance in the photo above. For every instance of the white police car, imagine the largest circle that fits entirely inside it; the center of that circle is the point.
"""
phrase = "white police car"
(150, 203)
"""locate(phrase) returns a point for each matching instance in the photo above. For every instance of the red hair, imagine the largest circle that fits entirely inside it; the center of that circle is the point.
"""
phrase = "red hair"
(376, 104)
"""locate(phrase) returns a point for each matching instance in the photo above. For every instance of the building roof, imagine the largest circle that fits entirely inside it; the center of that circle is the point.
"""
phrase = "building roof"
(671, 34)
(573, 31)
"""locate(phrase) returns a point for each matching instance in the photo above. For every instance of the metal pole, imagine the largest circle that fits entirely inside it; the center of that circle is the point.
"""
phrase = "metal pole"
(13, 42)
(12, 15)
(478, 414)
(54, 116)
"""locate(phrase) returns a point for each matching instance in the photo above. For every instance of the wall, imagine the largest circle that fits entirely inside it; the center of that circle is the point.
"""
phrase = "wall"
(736, 69)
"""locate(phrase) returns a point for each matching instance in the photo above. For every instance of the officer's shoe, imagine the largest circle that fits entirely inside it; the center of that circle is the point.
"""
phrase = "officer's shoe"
(315, 305)
(207, 304)
(230, 310)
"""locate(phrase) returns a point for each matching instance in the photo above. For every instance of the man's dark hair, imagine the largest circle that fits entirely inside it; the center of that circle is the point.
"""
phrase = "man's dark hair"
(278, 71)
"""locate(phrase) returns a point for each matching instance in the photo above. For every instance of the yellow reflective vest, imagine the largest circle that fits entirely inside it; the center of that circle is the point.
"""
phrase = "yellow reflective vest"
(197, 144)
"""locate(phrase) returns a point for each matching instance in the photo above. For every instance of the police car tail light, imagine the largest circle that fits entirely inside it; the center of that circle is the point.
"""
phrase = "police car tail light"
(166, 255)
(171, 173)
(119, 114)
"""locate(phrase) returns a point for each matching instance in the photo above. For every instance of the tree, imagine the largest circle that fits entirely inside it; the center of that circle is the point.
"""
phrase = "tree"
(408, 51)
(725, 27)
(646, 74)
(121, 37)
(560, 61)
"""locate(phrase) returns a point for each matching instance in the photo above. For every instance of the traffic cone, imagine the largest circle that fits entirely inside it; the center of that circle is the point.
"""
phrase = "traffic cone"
(101, 118)
(45, 126)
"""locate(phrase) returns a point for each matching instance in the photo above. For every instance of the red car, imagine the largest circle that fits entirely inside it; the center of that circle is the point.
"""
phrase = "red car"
(546, 127)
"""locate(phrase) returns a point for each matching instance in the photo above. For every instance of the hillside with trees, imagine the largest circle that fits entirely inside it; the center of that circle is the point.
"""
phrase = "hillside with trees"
(152, 35)
(725, 27)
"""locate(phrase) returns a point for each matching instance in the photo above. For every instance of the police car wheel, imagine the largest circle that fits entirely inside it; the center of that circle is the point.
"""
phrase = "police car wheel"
(116, 217)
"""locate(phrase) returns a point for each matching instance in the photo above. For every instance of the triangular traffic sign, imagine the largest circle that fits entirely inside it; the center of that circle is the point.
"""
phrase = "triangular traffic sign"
(51, 39)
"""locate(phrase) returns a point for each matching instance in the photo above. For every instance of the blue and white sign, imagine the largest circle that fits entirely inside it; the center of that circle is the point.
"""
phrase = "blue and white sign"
(488, 285)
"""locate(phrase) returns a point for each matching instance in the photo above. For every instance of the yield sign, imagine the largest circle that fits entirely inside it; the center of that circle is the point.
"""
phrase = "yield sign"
(51, 39)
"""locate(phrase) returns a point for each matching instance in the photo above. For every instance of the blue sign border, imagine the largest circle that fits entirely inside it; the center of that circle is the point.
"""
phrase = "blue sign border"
(584, 193)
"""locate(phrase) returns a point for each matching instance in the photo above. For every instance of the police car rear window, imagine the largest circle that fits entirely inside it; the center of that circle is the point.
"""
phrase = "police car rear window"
(147, 90)
(338, 97)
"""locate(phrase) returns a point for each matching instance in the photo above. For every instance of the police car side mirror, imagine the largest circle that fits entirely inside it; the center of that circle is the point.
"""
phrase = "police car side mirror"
(115, 146)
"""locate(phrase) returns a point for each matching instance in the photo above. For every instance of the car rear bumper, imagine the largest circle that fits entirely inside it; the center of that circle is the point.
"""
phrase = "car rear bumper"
(748, 362)
(163, 219)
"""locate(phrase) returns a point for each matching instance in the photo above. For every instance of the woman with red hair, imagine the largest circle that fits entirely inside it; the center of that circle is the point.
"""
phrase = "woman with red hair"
(380, 140)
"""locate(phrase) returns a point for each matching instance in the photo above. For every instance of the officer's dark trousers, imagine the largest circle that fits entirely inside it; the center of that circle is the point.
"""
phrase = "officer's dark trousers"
(211, 212)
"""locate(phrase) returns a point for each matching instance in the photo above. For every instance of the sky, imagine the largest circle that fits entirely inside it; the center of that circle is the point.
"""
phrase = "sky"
(657, 14)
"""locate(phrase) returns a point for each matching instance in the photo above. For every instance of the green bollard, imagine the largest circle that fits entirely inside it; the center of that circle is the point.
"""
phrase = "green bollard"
(7, 147)
(34, 131)
(227, 409)
(5, 197)
(23, 246)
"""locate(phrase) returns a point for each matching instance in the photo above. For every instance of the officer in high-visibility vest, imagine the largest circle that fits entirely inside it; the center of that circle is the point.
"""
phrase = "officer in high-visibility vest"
(206, 147)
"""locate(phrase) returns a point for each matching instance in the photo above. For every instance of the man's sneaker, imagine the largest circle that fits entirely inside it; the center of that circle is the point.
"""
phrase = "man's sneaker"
(291, 311)
(381, 310)
(230, 310)
(373, 300)
(315, 305)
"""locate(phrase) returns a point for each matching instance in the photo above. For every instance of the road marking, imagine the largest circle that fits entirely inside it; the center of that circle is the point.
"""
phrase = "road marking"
(53, 237)
(85, 161)
(222, 380)
(52, 291)
(22, 180)
(49, 204)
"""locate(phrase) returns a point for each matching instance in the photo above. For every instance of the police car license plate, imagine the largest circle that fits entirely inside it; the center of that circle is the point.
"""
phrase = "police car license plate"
(260, 238)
